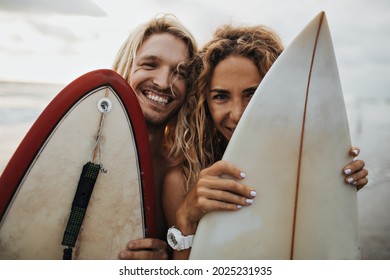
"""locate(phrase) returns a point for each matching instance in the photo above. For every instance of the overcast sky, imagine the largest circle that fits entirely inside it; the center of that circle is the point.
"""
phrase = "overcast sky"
(56, 41)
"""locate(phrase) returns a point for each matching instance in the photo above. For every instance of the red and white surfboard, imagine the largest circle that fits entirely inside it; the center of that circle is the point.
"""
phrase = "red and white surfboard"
(97, 119)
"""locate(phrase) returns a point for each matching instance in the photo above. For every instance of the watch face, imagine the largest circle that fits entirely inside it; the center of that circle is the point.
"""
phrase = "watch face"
(173, 240)
(177, 241)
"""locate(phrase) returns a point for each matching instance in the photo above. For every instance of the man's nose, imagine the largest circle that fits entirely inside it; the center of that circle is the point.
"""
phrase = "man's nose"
(162, 78)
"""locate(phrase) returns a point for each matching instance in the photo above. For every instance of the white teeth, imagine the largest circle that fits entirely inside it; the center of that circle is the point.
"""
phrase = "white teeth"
(158, 99)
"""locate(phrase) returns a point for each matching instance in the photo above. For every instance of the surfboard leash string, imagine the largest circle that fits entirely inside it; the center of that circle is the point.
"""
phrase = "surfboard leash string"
(83, 194)
(80, 202)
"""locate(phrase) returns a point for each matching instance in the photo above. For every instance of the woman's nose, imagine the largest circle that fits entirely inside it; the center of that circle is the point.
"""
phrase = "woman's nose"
(236, 111)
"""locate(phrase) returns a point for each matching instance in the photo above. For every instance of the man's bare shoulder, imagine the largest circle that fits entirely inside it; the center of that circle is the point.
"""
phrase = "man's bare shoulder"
(174, 177)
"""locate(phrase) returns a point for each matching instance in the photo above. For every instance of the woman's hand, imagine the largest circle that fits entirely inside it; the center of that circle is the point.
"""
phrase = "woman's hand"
(213, 192)
(355, 172)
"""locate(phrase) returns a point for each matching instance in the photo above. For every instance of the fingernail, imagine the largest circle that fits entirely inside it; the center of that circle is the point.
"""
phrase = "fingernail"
(249, 201)
(122, 255)
(355, 152)
(239, 206)
(347, 171)
(350, 180)
(130, 245)
(253, 193)
(242, 174)
(354, 183)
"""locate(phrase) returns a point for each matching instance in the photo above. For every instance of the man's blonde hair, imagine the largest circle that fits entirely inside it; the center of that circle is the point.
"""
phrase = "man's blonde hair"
(166, 23)
(124, 63)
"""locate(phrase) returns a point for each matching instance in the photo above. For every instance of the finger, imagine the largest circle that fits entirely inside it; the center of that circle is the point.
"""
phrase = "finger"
(217, 205)
(206, 195)
(143, 255)
(361, 183)
(159, 245)
(355, 151)
(353, 179)
(354, 166)
(147, 248)
(138, 244)
(224, 168)
(147, 244)
(230, 185)
(130, 255)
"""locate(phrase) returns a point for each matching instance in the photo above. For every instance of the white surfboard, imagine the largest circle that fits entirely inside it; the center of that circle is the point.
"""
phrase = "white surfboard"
(38, 186)
(292, 141)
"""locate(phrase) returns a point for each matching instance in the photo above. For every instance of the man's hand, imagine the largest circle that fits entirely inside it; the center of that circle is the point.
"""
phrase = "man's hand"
(145, 249)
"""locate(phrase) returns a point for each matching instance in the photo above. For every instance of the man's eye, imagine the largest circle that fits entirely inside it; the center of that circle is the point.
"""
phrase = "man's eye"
(148, 65)
(181, 74)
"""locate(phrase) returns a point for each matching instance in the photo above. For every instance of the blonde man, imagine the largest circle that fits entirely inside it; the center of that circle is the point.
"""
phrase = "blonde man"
(155, 61)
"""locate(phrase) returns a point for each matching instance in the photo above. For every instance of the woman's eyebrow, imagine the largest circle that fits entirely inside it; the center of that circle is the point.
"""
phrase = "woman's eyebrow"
(251, 89)
(219, 90)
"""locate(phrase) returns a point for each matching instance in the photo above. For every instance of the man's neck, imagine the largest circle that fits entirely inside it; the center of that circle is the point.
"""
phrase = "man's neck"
(156, 136)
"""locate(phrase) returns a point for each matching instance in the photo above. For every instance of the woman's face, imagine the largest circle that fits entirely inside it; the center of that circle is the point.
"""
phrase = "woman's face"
(232, 85)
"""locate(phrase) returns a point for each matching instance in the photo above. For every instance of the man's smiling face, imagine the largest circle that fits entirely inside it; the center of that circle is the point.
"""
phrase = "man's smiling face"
(159, 77)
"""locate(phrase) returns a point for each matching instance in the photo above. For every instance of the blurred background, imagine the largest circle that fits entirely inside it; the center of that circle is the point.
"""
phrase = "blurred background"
(44, 45)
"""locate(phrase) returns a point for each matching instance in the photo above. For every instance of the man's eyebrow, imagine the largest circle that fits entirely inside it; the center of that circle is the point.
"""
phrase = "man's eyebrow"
(180, 66)
(149, 57)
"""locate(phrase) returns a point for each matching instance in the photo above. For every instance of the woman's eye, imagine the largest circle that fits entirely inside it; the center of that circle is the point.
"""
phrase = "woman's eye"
(248, 95)
(220, 96)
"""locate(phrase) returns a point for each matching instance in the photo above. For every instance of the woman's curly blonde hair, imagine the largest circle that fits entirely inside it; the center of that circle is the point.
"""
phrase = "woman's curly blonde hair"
(200, 142)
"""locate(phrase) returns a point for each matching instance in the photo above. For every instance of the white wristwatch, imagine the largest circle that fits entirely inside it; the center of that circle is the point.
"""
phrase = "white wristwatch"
(177, 240)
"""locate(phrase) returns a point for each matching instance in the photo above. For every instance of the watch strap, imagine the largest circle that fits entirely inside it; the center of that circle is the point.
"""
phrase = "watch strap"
(187, 241)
